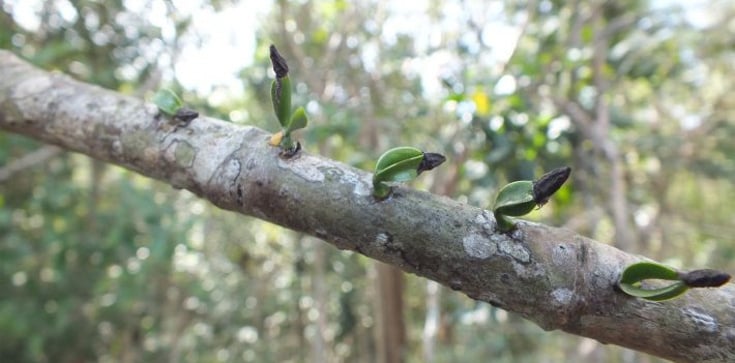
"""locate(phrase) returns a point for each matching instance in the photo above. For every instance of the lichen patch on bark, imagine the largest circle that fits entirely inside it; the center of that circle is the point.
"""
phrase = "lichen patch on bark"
(138, 145)
(513, 249)
(562, 296)
(485, 221)
(478, 246)
(181, 153)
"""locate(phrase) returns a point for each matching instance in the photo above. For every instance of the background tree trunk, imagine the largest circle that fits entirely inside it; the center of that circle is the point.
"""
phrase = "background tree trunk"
(391, 332)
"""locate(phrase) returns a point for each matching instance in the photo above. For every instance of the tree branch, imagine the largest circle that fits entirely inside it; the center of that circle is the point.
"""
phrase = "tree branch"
(550, 276)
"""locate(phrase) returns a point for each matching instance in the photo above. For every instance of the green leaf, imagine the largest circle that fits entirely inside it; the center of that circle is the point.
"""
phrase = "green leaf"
(281, 99)
(280, 88)
(398, 164)
(167, 101)
(298, 120)
(515, 199)
(630, 281)
(648, 270)
(521, 197)
(660, 294)
(401, 164)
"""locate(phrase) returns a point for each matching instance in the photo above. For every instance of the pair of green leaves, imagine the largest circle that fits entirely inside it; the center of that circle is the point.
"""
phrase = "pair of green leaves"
(631, 281)
(521, 197)
(401, 164)
(281, 99)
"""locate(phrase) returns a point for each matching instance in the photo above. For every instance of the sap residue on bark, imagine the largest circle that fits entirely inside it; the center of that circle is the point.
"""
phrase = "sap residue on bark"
(478, 246)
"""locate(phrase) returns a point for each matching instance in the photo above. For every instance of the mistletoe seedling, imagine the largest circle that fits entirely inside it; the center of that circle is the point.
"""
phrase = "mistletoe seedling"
(281, 99)
(401, 164)
(630, 281)
(634, 275)
(171, 105)
(521, 197)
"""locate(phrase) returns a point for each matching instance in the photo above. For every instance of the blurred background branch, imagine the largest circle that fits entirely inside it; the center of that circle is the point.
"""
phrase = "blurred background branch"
(30, 160)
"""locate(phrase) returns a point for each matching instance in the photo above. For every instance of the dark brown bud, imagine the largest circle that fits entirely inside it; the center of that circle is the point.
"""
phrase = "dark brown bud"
(279, 64)
(549, 183)
(704, 278)
(184, 115)
(430, 161)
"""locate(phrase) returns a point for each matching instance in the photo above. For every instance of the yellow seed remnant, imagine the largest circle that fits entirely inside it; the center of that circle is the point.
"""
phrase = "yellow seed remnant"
(276, 139)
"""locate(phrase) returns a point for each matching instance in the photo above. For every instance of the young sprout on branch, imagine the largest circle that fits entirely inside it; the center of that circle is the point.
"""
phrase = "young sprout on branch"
(281, 99)
(401, 164)
(631, 281)
(521, 197)
(171, 105)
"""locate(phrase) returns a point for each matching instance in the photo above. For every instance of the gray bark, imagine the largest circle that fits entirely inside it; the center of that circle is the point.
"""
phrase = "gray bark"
(551, 276)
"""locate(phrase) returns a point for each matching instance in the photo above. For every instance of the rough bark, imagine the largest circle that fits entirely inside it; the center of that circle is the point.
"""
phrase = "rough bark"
(551, 276)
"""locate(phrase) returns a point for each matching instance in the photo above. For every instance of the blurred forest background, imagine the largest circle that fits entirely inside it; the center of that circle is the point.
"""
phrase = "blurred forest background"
(98, 264)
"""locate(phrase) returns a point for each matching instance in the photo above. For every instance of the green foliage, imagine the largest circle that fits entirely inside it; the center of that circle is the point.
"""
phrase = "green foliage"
(401, 164)
(521, 197)
(281, 100)
(631, 281)
(170, 104)
(167, 101)
(86, 255)
(514, 199)
(297, 121)
(105, 260)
